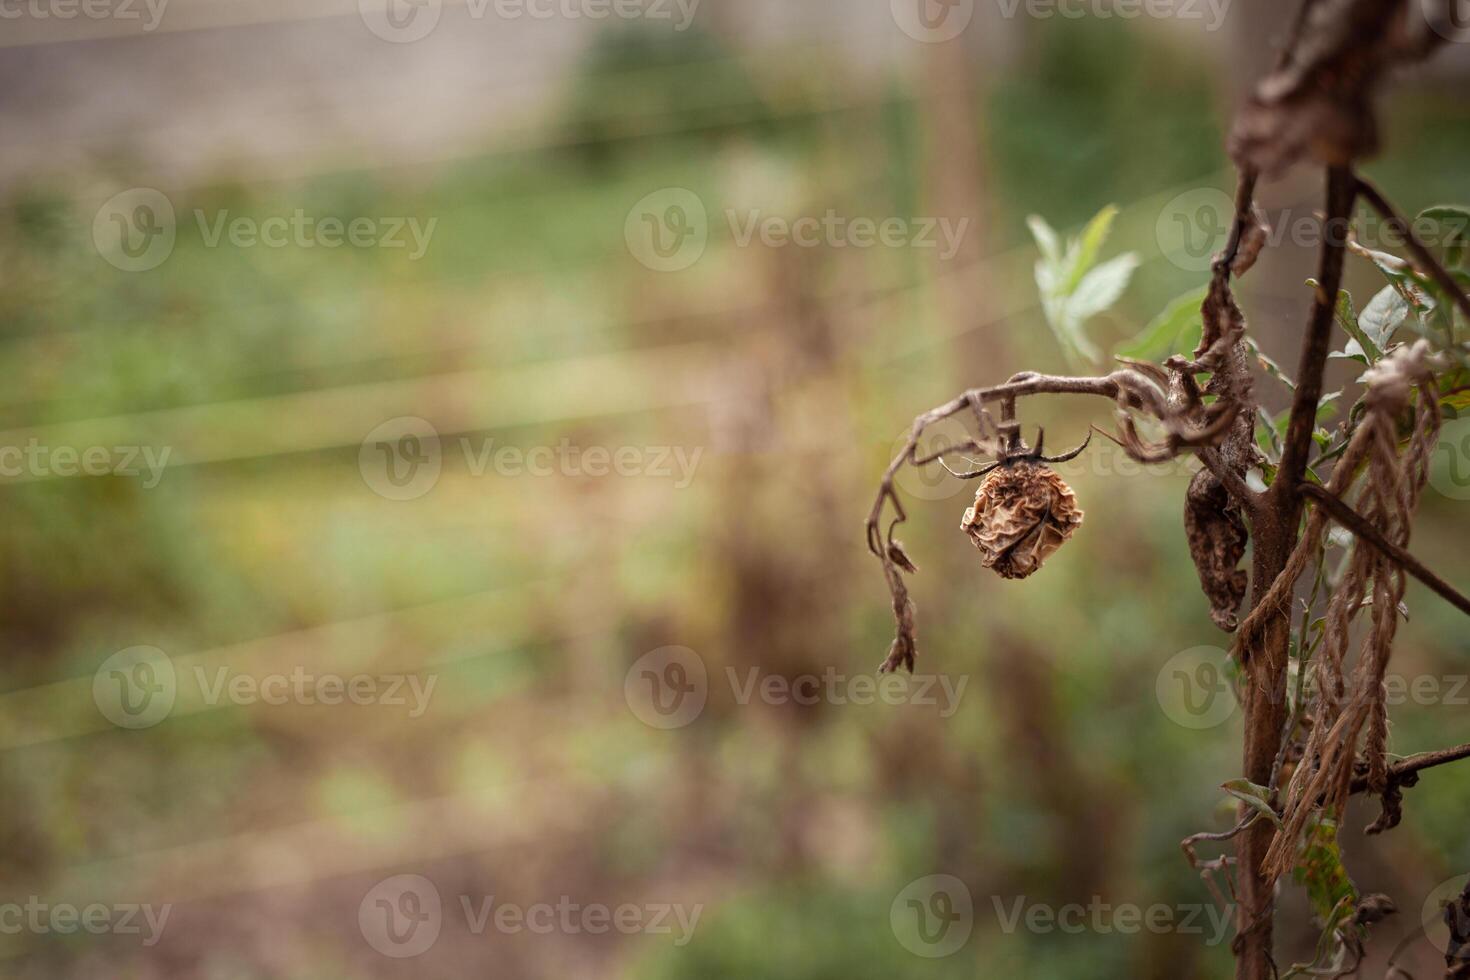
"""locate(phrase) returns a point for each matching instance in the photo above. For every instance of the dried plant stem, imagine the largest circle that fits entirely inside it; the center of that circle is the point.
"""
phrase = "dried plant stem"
(1364, 531)
(1275, 532)
(1415, 764)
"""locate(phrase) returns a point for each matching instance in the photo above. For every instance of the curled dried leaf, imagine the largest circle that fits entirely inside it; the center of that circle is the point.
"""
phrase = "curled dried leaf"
(1374, 908)
(900, 557)
(1252, 240)
(1023, 513)
(1217, 539)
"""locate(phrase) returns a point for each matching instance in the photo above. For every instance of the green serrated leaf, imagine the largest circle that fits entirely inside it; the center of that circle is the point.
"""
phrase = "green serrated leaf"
(1168, 332)
(1256, 797)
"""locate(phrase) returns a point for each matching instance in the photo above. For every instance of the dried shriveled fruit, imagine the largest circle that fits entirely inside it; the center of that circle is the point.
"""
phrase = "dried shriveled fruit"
(1023, 512)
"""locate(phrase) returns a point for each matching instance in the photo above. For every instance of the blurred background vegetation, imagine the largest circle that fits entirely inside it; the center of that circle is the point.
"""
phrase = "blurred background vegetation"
(795, 370)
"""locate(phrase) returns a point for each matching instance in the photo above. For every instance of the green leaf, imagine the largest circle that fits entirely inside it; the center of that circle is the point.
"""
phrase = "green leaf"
(1455, 220)
(1454, 390)
(1046, 239)
(1169, 332)
(1383, 316)
(1414, 288)
(1327, 405)
(1269, 365)
(1268, 435)
(1361, 343)
(1102, 287)
(1072, 290)
(1256, 797)
(1084, 251)
(1321, 872)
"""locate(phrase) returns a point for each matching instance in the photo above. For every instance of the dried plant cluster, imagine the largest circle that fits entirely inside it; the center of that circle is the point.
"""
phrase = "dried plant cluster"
(1022, 514)
(1308, 748)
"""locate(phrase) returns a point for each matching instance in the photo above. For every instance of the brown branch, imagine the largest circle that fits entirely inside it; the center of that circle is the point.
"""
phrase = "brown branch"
(1341, 192)
(1229, 478)
(1019, 386)
(1356, 523)
(1431, 265)
(1410, 768)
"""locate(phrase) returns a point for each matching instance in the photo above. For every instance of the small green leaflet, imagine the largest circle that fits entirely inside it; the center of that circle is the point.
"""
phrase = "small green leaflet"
(1073, 287)
(1268, 365)
(1177, 330)
(1361, 347)
(1258, 798)
(1455, 223)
